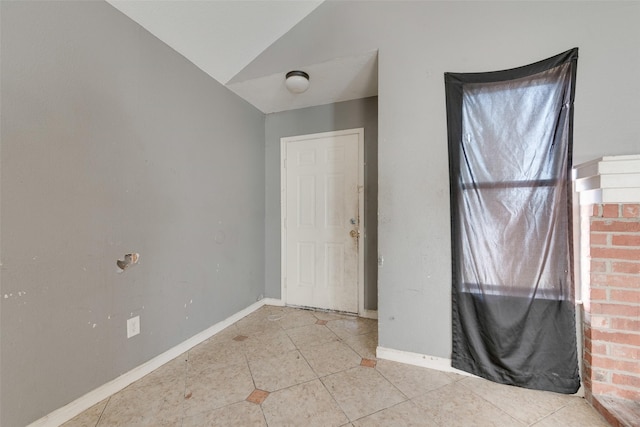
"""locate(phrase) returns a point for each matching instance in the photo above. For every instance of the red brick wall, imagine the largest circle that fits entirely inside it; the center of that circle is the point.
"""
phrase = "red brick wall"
(612, 308)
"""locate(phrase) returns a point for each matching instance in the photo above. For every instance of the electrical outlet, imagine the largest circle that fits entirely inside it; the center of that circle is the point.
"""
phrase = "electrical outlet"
(133, 326)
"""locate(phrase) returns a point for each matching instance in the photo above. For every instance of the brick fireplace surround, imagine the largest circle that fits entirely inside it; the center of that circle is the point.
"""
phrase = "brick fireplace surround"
(609, 194)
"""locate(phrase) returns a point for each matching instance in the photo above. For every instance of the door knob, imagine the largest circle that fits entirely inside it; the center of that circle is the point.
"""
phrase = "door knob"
(355, 233)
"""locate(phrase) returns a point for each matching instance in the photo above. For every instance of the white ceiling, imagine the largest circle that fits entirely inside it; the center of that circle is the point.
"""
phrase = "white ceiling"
(221, 37)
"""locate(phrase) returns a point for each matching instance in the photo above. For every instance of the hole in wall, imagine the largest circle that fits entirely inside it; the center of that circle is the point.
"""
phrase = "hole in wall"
(129, 260)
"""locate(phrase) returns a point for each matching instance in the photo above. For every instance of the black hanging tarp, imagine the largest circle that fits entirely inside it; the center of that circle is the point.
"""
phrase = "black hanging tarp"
(510, 143)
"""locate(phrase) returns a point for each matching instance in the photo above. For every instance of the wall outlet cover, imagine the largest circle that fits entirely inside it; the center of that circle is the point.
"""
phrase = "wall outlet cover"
(133, 326)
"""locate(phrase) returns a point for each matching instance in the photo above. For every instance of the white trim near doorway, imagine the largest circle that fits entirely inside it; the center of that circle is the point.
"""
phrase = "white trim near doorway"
(283, 204)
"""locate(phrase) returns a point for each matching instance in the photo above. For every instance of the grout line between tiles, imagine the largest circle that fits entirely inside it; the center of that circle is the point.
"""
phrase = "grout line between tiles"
(184, 391)
(334, 399)
(306, 360)
(391, 382)
(103, 409)
(549, 414)
(264, 417)
(383, 409)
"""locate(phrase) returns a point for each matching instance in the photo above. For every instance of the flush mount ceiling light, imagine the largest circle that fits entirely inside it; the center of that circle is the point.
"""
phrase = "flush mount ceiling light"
(297, 81)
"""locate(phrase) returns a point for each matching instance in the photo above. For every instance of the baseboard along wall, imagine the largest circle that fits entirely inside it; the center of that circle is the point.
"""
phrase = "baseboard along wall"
(69, 411)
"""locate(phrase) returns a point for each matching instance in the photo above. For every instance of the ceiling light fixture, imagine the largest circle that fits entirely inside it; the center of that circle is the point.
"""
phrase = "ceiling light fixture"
(297, 81)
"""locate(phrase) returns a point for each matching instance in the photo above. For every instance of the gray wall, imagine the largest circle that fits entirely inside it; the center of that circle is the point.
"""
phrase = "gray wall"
(112, 143)
(418, 42)
(343, 115)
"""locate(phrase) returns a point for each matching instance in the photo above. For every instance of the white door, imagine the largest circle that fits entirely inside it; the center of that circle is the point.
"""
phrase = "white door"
(322, 209)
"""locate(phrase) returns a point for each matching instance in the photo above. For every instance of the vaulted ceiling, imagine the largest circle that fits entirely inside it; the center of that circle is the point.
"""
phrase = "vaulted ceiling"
(222, 37)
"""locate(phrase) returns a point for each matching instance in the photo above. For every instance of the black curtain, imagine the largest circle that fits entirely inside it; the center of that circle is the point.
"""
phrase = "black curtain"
(510, 143)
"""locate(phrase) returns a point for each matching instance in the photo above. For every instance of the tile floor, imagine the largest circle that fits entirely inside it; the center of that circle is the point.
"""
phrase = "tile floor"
(288, 367)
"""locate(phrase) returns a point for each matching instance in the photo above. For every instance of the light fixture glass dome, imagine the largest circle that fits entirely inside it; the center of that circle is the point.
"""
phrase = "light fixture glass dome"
(297, 81)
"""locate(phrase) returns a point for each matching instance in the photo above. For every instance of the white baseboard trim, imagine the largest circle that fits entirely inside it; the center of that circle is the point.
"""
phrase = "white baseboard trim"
(369, 314)
(417, 359)
(67, 412)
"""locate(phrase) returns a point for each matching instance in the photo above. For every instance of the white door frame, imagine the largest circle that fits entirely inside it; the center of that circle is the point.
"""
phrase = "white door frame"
(283, 207)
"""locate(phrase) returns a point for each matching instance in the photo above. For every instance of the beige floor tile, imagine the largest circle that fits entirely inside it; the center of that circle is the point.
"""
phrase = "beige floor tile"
(169, 377)
(330, 358)
(351, 326)
(328, 315)
(275, 373)
(257, 323)
(156, 399)
(576, 414)
(308, 404)
(88, 418)
(456, 406)
(267, 344)
(210, 389)
(522, 404)
(216, 354)
(412, 380)
(277, 309)
(362, 391)
(406, 414)
(139, 406)
(365, 345)
(277, 313)
(296, 319)
(238, 414)
(209, 385)
(169, 415)
(224, 335)
(456, 377)
(311, 335)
